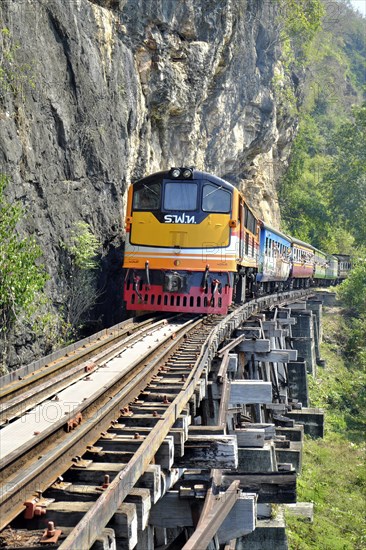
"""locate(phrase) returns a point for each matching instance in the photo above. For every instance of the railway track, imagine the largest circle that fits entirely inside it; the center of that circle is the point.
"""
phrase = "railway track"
(112, 432)
(38, 441)
(68, 366)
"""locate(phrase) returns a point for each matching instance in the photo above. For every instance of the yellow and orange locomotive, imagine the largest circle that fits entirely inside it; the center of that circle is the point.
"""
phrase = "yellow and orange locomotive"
(192, 243)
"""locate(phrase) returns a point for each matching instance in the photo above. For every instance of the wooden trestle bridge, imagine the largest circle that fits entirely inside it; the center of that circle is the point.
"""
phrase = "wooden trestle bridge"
(162, 432)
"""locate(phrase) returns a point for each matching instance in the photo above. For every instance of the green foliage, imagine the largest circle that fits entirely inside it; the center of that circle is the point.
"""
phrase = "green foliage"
(79, 287)
(297, 23)
(83, 247)
(301, 20)
(352, 291)
(21, 278)
(323, 194)
(15, 74)
(334, 476)
(45, 324)
(346, 178)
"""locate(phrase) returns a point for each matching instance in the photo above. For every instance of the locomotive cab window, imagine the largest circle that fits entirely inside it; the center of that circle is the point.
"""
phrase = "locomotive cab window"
(250, 222)
(215, 199)
(147, 197)
(180, 196)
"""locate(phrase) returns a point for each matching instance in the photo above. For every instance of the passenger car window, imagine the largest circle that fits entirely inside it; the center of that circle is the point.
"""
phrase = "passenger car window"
(147, 197)
(215, 199)
(180, 196)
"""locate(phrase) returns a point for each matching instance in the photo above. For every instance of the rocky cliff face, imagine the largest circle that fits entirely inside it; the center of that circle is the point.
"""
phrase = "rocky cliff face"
(95, 94)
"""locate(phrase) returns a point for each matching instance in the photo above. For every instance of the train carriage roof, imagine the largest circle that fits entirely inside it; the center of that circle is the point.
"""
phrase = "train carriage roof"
(342, 257)
(302, 243)
(317, 251)
(275, 231)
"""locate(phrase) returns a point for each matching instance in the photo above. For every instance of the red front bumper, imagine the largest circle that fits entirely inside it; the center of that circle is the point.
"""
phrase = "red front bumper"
(153, 298)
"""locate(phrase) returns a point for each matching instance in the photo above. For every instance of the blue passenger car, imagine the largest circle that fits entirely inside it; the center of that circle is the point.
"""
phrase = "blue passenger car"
(274, 255)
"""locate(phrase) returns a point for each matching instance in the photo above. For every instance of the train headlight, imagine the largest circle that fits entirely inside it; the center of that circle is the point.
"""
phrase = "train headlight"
(187, 173)
(175, 172)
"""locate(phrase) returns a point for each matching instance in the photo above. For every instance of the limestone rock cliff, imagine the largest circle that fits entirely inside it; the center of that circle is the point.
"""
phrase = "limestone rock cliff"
(97, 93)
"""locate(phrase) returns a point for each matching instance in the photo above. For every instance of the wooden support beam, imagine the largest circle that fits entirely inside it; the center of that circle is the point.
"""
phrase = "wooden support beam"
(241, 520)
(292, 455)
(140, 497)
(297, 306)
(161, 538)
(169, 478)
(146, 539)
(293, 434)
(278, 408)
(232, 367)
(269, 325)
(161, 389)
(248, 437)
(292, 354)
(205, 430)
(250, 332)
(269, 429)
(275, 487)
(149, 420)
(209, 451)
(164, 455)
(254, 346)
(274, 356)
(257, 459)
(105, 541)
(305, 510)
(311, 418)
(172, 511)
(64, 491)
(280, 333)
(264, 510)
(224, 403)
(96, 471)
(250, 391)
(179, 435)
(285, 322)
(124, 521)
(283, 421)
(221, 375)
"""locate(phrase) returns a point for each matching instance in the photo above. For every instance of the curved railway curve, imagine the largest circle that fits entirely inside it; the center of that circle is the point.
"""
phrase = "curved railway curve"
(131, 400)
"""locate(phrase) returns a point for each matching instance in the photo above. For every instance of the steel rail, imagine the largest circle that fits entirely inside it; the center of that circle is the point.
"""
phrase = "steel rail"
(86, 531)
(46, 469)
(25, 401)
(231, 345)
(76, 356)
(81, 408)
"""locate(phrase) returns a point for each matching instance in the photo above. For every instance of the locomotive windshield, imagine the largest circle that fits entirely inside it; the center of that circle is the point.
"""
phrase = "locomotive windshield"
(215, 199)
(180, 196)
(147, 197)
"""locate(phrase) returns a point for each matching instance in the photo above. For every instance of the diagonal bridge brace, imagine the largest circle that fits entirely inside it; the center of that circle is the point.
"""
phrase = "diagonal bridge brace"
(215, 509)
